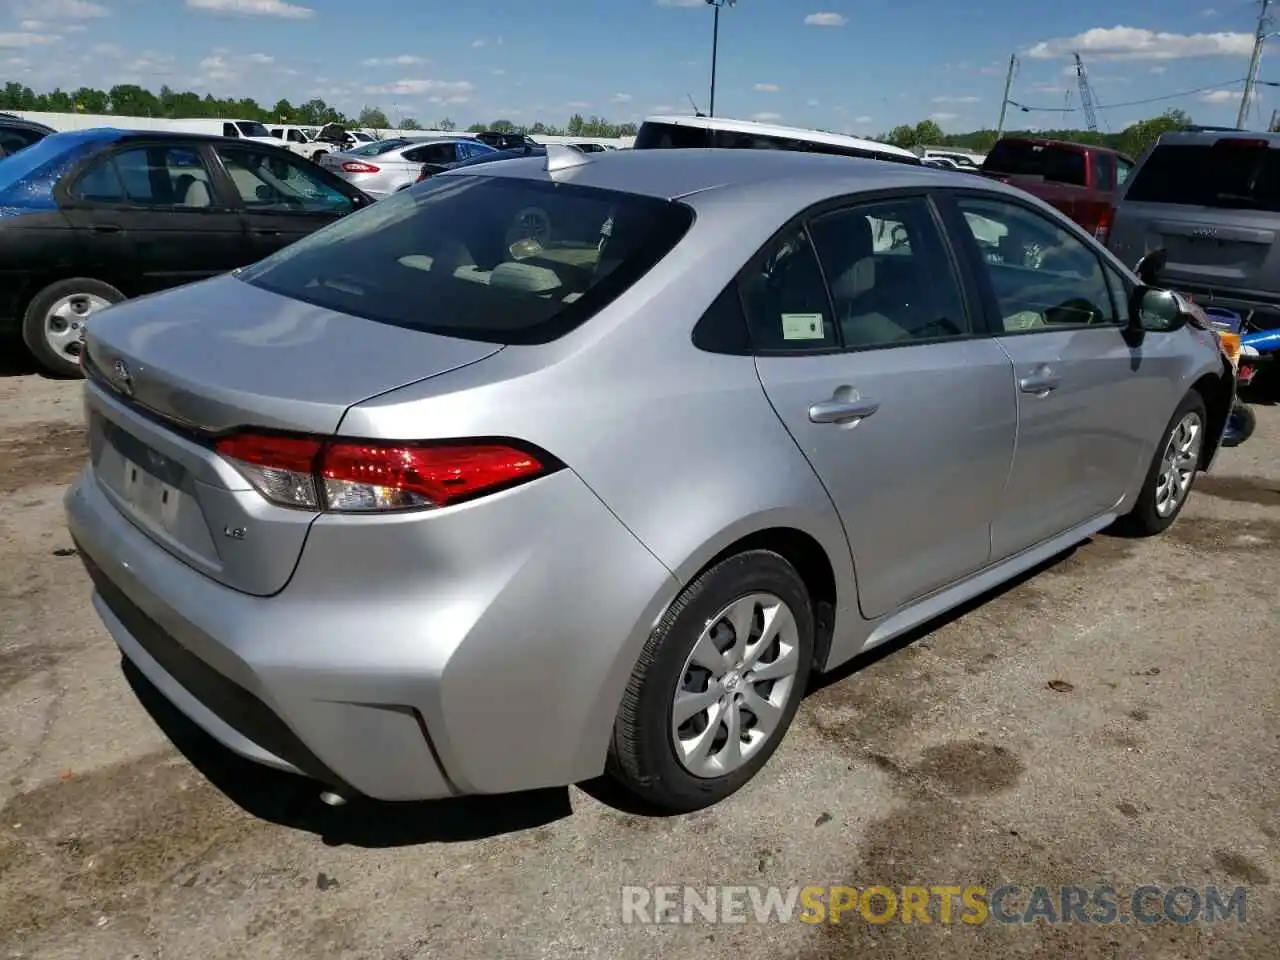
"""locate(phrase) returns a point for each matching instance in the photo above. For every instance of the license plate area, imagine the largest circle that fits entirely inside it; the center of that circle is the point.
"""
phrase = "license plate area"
(155, 489)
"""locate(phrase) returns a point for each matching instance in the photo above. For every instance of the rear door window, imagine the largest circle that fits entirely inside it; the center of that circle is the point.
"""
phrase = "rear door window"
(1209, 175)
(503, 260)
(155, 176)
(1103, 175)
(267, 181)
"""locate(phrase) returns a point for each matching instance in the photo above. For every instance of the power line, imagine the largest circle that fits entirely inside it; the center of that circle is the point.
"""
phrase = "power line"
(1026, 108)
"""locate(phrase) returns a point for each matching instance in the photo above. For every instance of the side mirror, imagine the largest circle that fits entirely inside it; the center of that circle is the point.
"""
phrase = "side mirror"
(1151, 266)
(1153, 310)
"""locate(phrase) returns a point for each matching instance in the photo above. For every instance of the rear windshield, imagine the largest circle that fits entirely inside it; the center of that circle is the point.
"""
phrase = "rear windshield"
(1209, 176)
(27, 176)
(498, 259)
(379, 148)
(1021, 158)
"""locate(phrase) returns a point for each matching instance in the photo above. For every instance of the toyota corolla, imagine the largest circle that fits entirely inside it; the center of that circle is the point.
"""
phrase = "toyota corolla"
(582, 463)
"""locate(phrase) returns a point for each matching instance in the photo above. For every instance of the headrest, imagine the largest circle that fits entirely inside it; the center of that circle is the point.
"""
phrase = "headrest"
(524, 277)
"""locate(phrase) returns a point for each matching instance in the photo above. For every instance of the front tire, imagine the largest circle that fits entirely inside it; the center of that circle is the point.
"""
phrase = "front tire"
(717, 684)
(1172, 472)
(54, 322)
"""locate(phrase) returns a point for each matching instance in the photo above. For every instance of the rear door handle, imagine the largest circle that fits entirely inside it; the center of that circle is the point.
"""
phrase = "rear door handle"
(1041, 381)
(842, 411)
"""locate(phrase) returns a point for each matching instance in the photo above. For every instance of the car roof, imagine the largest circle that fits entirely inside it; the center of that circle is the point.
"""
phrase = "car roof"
(10, 120)
(676, 173)
(1210, 135)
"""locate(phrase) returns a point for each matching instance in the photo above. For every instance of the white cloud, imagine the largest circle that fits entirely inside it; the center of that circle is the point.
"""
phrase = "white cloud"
(862, 120)
(261, 59)
(1208, 12)
(32, 26)
(478, 43)
(662, 109)
(767, 117)
(812, 103)
(825, 20)
(681, 3)
(1135, 43)
(766, 88)
(12, 41)
(457, 98)
(63, 10)
(1158, 70)
(577, 104)
(437, 87)
(957, 99)
(622, 98)
(404, 60)
(1219, 96)
(1048, 88)
(992, 69)
(942, 116)
(150, 64)
(499, 72)
(253, 8)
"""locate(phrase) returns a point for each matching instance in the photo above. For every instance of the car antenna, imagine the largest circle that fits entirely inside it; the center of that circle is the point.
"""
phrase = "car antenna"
(561, 156)
(696, 111)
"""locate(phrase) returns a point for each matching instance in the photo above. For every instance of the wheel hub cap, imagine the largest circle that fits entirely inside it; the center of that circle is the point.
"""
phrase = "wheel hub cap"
(736, 685)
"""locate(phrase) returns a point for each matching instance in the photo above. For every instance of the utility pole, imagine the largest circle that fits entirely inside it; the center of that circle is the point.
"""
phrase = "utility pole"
(1259, 38)
(1008, 83)
(715, 47)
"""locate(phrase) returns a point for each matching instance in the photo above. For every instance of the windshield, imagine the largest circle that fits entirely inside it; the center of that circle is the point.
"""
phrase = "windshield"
(1024, 158)
(29, 175)
(379, 148)
(497, 259)
(1223, 175)
(250, 129)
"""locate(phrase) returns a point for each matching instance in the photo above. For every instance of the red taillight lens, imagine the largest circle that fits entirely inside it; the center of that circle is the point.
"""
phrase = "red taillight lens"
(356, 166)
(1102, 231)
(422, 176)
(372, 476)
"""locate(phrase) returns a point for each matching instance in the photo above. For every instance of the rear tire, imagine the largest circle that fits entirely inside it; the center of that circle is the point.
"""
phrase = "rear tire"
(736, 720)
(55, 319)
(1168, 483)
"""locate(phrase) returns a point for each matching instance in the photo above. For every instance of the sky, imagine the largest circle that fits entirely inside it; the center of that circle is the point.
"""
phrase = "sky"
(857, 66)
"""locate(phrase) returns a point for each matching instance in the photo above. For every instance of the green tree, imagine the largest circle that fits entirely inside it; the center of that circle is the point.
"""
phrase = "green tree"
(1134, 140)
(475, 128)
(503, 126)
(283, 111)
(447, 125)
(373, 118)
(409, 123)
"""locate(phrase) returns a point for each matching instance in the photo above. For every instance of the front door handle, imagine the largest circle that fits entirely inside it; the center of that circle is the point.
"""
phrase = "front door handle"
(1040, 381)
(842, 411)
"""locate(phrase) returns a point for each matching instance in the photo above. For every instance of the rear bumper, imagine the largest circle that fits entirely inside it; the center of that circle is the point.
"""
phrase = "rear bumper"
(493, 664)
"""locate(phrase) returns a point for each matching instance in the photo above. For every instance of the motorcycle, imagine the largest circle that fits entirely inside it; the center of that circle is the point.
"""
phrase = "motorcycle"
(1228, 328)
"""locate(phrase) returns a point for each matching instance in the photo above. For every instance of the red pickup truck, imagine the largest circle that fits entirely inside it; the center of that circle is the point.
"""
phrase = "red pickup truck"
(1079, 179)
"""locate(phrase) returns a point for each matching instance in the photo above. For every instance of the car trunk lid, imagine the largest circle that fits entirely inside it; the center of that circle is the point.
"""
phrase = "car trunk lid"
(167, 373)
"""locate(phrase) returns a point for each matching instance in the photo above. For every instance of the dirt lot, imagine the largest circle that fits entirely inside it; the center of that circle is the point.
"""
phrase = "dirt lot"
(1111, 719)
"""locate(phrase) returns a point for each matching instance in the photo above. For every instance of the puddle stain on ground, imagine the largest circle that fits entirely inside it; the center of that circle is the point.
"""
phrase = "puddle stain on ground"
(1222, 536)
(19, 664)
(1260, 491)
(44, 454)
(101, 842)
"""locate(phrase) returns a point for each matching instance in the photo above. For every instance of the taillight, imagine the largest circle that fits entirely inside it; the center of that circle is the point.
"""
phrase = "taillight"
(369, 476)
(357, 166)
(1242, 143)
(422, 176)
(1102, 230)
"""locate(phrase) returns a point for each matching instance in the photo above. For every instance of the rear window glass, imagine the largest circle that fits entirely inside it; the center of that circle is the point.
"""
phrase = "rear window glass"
(249, 128)
(1203, 175)
(379, 148)
(498, 259)
(1022, 158)
(660, 136)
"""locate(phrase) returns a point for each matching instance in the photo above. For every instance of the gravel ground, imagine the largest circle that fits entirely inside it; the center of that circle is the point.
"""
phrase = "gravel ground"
(1110, 719)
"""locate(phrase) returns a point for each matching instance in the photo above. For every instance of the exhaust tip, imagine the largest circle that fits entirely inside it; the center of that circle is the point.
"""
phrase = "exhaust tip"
(329, 798)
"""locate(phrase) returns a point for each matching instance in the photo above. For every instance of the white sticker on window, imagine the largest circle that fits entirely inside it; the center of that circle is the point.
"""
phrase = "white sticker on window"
(802, 326)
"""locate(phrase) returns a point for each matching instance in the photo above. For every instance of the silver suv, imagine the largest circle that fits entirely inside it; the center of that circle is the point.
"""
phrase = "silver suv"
(1211, 200)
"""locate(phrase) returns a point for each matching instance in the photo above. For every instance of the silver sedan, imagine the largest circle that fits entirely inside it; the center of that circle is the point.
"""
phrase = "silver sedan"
(579, 463)
(382, 168)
